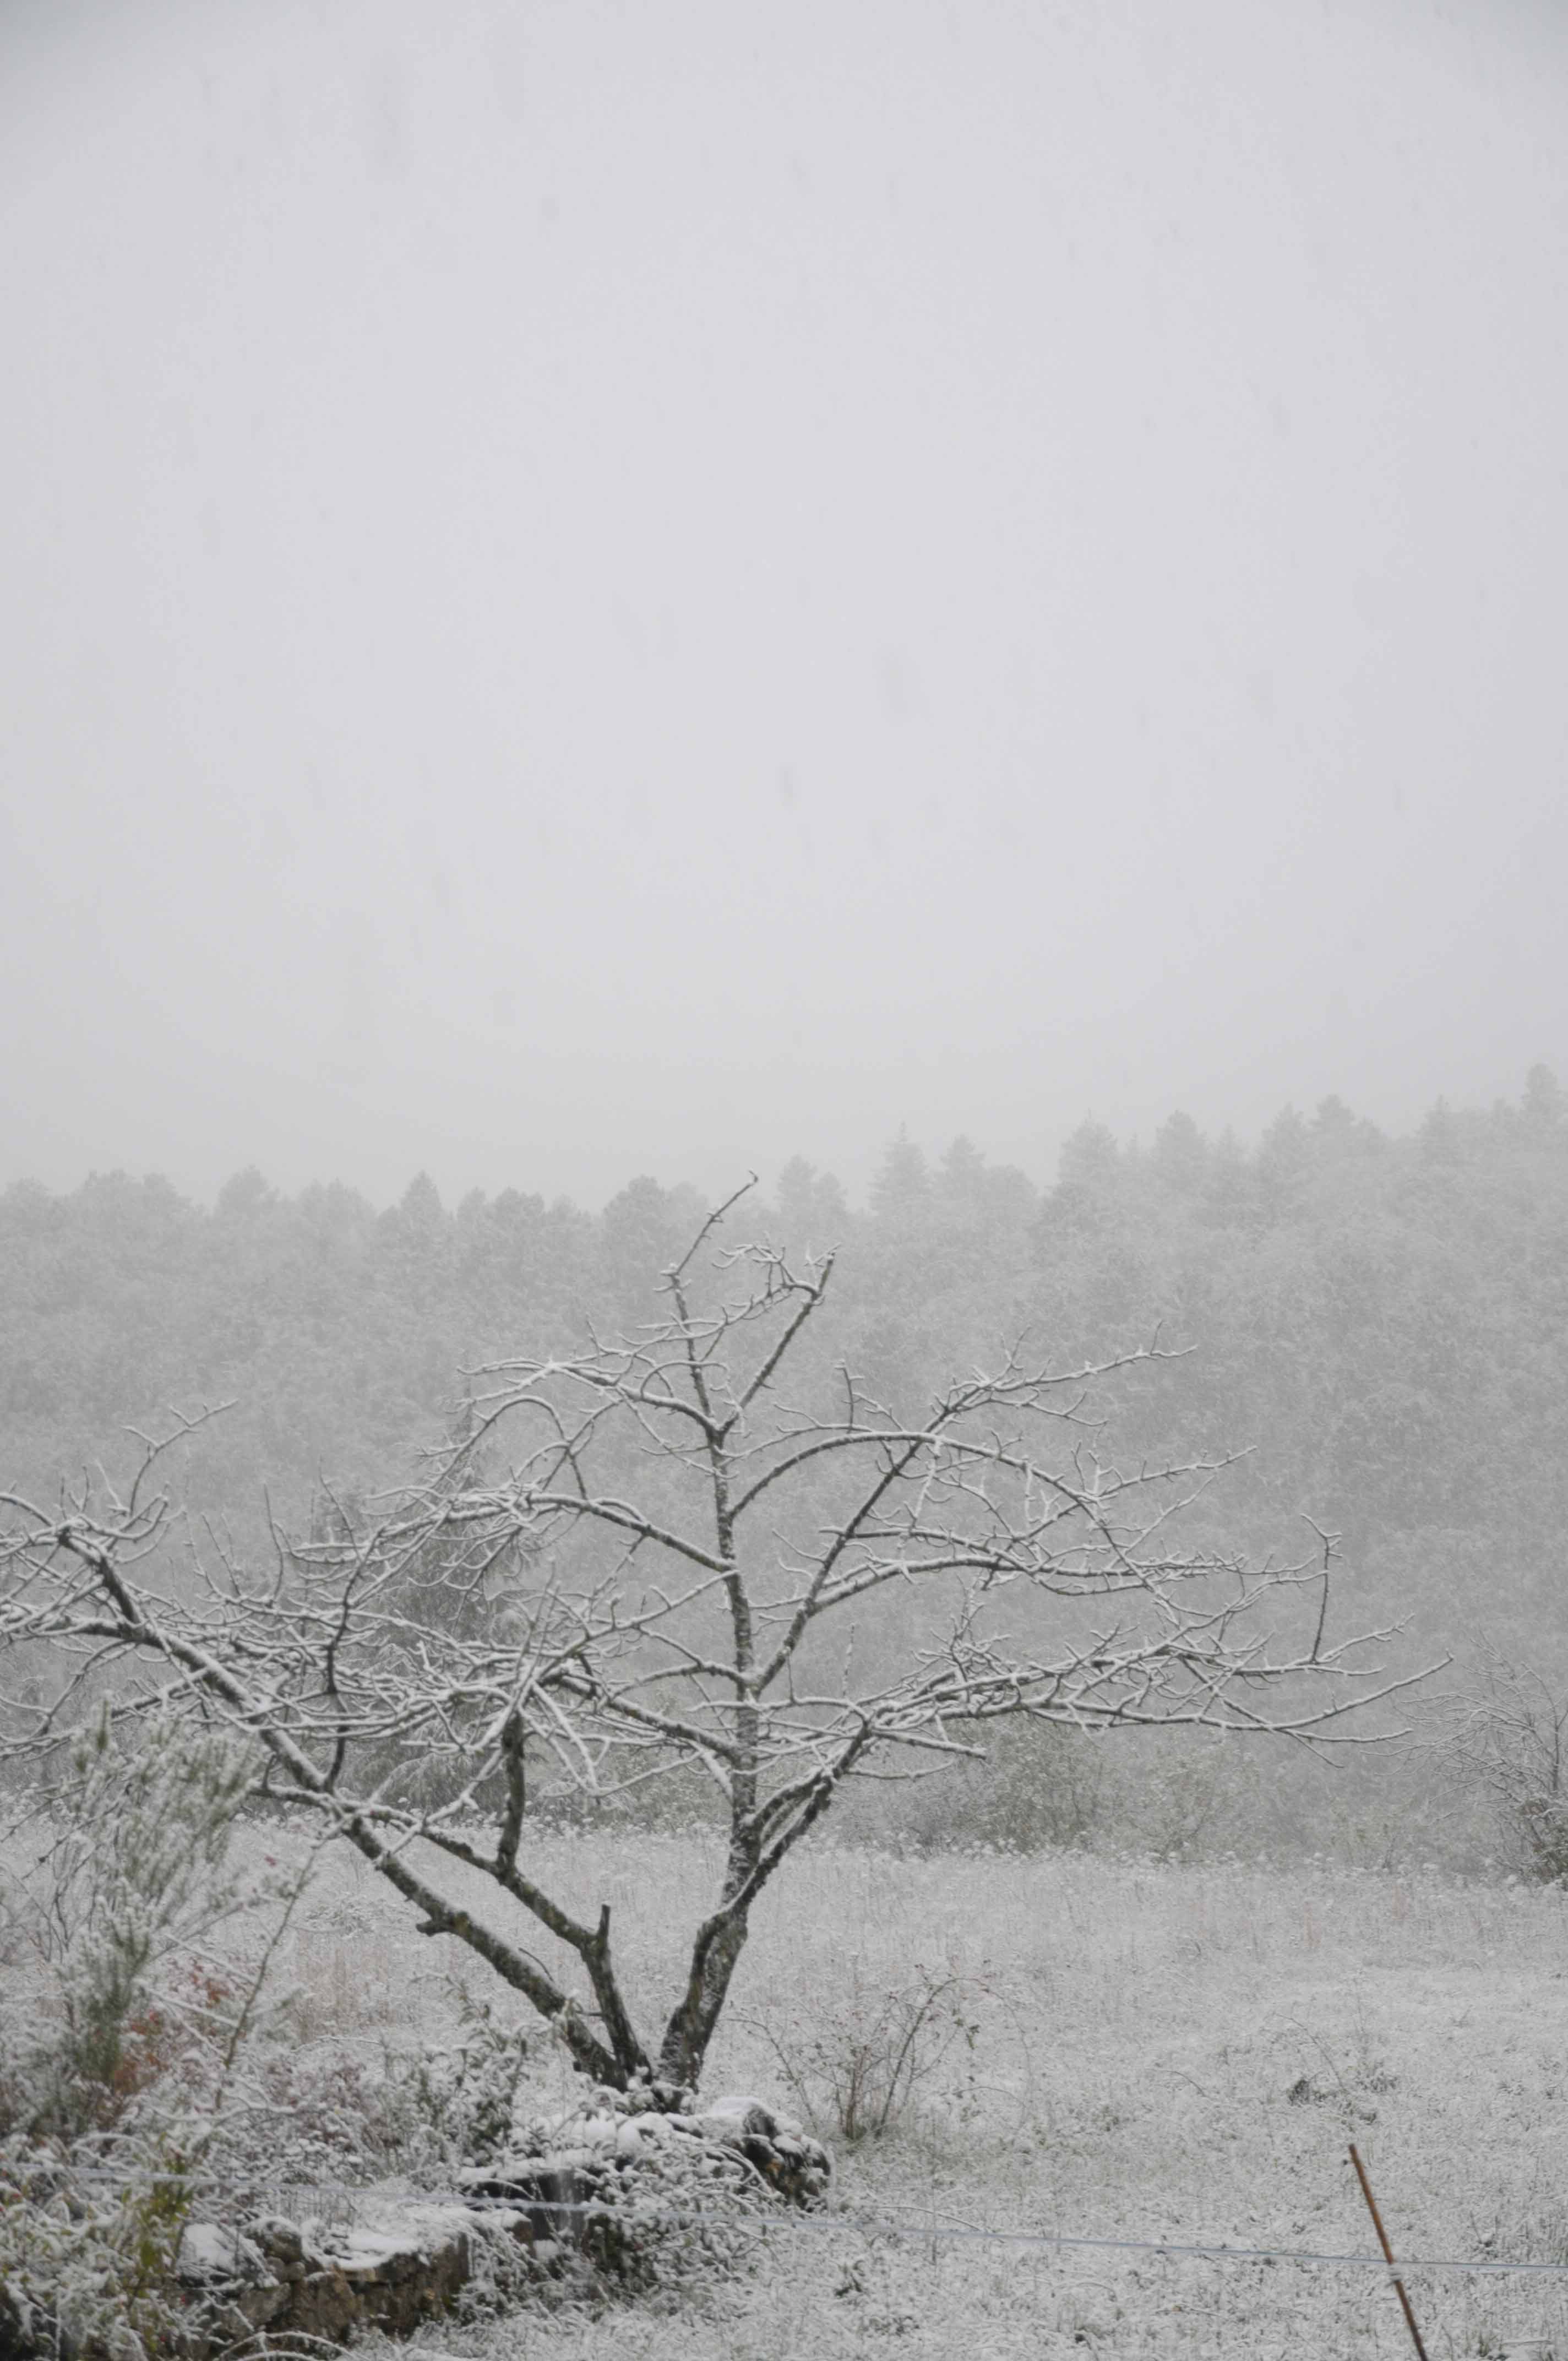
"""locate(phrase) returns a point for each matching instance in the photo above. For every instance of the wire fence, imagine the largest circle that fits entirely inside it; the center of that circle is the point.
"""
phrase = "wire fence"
(346, 2205)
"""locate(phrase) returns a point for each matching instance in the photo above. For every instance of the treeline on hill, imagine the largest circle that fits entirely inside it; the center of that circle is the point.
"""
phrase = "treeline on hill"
(1380, 1324)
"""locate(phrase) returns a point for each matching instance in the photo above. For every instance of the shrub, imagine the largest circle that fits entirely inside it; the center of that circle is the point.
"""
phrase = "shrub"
(1509, 1737)
(117, 2054)
(858, 2071)
(455, 2106)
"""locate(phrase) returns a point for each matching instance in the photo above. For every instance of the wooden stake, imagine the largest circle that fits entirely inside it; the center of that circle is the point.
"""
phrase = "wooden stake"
(1387, 2251)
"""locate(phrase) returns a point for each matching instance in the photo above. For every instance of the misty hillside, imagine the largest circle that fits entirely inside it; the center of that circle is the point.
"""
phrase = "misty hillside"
(1380, 1324)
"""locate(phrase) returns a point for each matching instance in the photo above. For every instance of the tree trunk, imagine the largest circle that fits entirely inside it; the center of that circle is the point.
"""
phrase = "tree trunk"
(691, 2028)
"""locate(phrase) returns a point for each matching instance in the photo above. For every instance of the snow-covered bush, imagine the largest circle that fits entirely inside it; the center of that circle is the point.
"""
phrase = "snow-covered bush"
(1509, 1737)
(118, 1911)
(87, 2257)
(453, 2106)
(120, 2036)
(856, 2069)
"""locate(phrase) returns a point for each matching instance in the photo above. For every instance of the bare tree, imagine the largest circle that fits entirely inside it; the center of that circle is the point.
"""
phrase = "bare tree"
(696, 1577)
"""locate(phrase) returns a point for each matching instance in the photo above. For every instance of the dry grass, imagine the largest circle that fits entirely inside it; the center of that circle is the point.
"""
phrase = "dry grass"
(1161, 2053)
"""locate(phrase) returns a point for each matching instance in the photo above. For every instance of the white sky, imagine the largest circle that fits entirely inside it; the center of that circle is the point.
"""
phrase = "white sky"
(593, 588)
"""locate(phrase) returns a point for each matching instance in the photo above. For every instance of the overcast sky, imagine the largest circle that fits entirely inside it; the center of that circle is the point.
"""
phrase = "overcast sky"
(597, 588)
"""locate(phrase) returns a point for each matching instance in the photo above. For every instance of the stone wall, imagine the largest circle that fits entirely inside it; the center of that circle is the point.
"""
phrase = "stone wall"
(399, 2264)
(402, 2261)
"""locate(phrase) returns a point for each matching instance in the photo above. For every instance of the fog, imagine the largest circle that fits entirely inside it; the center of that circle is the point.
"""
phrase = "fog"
(597, 588)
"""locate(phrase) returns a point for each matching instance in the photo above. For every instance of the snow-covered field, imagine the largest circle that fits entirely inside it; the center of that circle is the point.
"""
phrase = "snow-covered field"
(1148, 2053)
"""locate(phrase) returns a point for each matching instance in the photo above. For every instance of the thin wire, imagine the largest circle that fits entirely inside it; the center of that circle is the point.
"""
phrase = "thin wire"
(918, 2228)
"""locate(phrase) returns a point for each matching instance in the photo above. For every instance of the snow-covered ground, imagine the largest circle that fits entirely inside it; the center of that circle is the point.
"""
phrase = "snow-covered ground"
(1143, 2052)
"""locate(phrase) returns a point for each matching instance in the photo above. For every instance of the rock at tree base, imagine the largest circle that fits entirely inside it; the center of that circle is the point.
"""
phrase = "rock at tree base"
(618, 2149)
(634, 2191)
